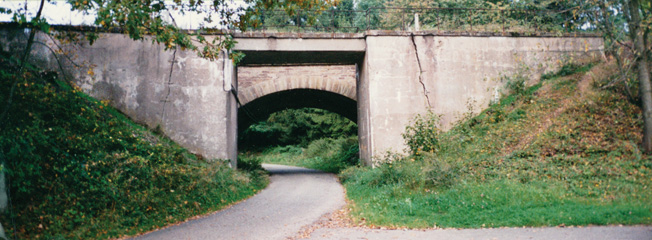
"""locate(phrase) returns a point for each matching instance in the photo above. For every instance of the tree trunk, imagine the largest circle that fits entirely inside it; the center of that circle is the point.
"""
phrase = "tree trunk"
(636, 34)
(28, 49)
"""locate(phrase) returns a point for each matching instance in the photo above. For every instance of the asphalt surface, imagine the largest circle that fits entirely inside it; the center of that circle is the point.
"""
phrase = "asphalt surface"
(555, 233)
(296, 197)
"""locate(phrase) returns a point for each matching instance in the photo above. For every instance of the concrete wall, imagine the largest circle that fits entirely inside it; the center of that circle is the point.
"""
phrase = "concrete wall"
(406, 75)
(184, 95)
(255, 82)
(364, 113)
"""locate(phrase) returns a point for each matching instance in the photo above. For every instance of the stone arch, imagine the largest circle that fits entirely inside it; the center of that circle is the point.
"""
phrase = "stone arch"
(260, 108)
(256, 82)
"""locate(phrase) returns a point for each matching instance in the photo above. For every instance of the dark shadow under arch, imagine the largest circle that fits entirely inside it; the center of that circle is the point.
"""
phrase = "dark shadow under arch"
(260, 108)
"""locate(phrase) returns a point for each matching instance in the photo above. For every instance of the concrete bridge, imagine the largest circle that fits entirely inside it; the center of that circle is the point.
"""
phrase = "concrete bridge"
(378, 79)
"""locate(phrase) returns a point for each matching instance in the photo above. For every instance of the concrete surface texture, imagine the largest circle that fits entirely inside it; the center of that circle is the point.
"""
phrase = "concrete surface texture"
(379, 79)
(569, 233)
(296, 197)
(402, 76)
(255, 82)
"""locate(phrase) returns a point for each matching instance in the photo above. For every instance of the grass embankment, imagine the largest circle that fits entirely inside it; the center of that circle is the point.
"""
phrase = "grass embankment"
(78, 169)
(561, 152)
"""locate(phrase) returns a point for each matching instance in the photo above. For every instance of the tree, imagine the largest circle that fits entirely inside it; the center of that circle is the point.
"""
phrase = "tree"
(638, 32)
(141, 18)
(338, 16)
(145, 18)
(637, 24)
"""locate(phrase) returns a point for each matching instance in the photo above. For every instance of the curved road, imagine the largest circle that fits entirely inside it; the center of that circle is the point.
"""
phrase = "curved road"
(295, 197)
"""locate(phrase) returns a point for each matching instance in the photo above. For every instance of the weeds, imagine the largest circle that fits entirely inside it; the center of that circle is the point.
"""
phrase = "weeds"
(423, 134)
(326, 154)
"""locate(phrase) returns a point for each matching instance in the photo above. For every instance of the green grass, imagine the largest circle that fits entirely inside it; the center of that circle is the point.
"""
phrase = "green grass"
(79, 169)
(544, 156)
(326, 154)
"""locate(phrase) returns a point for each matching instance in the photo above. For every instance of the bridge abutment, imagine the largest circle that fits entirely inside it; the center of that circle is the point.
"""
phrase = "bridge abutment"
(407, 74)
(183, 95)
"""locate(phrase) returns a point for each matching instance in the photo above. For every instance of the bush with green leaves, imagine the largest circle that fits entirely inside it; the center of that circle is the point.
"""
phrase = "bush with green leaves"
(423, 134)
(425, 171)
(326, 154)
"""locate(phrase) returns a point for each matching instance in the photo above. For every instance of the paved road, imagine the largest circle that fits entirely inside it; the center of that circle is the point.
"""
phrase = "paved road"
(295, 197)
(570, 233)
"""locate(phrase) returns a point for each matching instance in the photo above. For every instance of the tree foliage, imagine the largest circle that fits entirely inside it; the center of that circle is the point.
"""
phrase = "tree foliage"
(296, 126)
(448, 15)
(626, 26)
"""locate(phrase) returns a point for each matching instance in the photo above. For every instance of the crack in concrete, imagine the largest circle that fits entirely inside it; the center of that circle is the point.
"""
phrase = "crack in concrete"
(165, 102)
(423, 85)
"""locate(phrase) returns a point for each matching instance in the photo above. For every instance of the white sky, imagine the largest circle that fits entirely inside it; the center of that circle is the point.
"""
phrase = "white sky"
(59, 12)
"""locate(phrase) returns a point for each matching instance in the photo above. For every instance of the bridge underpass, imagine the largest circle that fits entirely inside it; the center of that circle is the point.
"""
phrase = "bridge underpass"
(263, 90)
(286, 72)
(396, 76)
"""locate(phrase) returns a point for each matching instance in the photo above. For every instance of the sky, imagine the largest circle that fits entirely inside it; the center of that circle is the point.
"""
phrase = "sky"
(59, 12)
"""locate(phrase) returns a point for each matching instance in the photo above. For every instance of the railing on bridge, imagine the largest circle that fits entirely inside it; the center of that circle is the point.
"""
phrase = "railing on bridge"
(420, 19)
(438, 19)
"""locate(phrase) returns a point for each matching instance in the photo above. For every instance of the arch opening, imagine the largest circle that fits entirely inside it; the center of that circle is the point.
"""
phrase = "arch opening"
(315, 128)
(261, 108)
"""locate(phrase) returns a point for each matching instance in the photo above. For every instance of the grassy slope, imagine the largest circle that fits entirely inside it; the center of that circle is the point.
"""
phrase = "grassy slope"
(559, 153)
(78, 169)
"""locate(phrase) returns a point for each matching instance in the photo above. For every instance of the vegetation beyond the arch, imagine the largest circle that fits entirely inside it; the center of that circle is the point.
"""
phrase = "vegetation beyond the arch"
(296, 127)
(305, 137)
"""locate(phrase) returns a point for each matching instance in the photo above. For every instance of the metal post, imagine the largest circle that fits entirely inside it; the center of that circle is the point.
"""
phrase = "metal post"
(502, 16)
(333, 20)
(470, 20)
(403, 19)
(262, 19)
(438, 20)
(368, 22)
(536, 23)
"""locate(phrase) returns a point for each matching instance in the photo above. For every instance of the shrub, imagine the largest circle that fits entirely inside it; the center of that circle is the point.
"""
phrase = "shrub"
(423, 134)
(250, 163)
(326, 154)
(425, 171)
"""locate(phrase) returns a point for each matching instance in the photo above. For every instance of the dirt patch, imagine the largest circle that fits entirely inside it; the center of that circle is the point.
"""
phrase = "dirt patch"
(584, 89)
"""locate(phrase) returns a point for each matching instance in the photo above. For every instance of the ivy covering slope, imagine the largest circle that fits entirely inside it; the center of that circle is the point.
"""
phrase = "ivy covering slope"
(78, 169)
